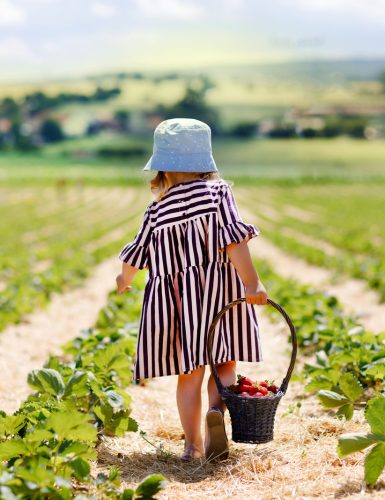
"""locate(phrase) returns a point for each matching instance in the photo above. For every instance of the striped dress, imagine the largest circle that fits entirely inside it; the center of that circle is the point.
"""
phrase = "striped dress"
(182, 242)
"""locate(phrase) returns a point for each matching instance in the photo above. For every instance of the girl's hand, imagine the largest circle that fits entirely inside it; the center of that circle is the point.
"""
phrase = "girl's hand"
(122, 286)
(256, 294)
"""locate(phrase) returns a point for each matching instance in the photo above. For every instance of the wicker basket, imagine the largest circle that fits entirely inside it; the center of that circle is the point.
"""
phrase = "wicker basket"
(252, 419)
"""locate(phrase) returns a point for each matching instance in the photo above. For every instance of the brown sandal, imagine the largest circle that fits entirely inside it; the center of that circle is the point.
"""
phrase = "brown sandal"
(191, 453)
(216, 442)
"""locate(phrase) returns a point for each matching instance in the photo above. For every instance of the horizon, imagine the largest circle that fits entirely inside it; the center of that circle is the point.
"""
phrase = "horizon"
(188, 69)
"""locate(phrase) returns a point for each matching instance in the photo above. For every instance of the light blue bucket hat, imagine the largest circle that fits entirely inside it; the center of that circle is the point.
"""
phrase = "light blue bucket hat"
(182, 145)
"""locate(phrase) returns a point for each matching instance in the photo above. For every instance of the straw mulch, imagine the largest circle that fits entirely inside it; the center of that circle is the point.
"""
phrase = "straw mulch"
(301, 462)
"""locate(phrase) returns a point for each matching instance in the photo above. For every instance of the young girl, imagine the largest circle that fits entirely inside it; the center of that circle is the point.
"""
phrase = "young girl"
(194, 244)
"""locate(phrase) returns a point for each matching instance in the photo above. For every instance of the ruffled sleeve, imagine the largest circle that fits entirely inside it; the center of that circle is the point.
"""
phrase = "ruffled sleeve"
(232, 229)
(135, 253)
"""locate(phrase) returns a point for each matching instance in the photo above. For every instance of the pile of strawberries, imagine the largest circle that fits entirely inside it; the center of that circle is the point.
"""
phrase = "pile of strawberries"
(246, 387)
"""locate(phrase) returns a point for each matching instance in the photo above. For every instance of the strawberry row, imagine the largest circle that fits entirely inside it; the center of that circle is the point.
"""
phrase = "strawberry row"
(348, 371)
(46, 446)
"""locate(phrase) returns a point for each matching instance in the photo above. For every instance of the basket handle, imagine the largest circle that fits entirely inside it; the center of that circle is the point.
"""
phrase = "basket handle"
(210, 340)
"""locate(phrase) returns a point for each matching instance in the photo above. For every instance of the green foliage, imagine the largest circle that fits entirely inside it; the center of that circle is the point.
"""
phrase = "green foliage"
(348, 364)
(351, 390)
(51, 131)
(351, 443)
(59, 260)
(50, 440)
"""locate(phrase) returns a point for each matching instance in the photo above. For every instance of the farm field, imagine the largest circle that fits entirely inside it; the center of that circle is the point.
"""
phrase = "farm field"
(57, 235)
(249, 161)
(338, 227)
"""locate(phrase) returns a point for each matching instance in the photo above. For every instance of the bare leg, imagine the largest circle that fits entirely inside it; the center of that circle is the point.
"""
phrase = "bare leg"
(189, 403)
(226, 373)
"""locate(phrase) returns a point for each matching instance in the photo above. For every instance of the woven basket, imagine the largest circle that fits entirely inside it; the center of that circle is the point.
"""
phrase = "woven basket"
(252, 419)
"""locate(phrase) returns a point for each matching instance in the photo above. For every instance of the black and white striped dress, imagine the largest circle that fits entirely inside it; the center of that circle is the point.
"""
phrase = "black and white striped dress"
(182, 242)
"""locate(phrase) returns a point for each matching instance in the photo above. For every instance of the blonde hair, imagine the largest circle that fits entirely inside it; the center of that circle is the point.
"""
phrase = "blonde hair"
(159, 185)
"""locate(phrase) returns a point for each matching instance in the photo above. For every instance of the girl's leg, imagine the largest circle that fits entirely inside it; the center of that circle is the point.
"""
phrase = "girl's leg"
(226, 373)
(189, 401)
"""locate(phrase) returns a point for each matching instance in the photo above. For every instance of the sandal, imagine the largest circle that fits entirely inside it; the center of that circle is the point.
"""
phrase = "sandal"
(216, 442)
(190, 453)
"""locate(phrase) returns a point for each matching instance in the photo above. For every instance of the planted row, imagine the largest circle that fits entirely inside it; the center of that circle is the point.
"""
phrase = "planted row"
(48, 442)
(349, 367)
(47, 253)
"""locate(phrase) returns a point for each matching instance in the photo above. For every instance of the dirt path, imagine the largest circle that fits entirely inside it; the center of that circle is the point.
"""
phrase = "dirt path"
(28, 345)
(355, 296)
(305, 440)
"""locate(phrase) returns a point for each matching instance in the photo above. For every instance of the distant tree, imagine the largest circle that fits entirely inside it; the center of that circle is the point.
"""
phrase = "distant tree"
(309, 133)
(51, 131)
(102, 94)
(244, 130)
(9, 108)
(193, 105)
(382, 80)
(283, 132)
(122, 117)
(353, 126)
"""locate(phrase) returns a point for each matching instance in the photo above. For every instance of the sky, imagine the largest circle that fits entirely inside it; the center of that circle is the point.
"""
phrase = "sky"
(42, 39)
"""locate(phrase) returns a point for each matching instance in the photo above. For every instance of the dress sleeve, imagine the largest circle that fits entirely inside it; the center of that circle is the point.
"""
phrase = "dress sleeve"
(232, 229)
(135, 253)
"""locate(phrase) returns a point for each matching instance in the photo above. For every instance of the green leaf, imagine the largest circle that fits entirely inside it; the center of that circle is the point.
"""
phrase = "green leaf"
(322, 358)
(80, 467)
(332, 399)
(38, 436)
(350, 386)
(12, 448)
(77, 384)
(47, 380)
(318, 383)
(76, 449)
(115, 400)
(374, 463)
(71, 425)
(376, 370)
(11, 425)
(346, 410)
(128, 494)
(375, 414)
(132, 425)
(150, 486)
(352, 442)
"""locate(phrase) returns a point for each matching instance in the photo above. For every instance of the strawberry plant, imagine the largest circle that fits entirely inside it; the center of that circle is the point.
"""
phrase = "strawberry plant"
(350, 393)
(48, 442)
(354, 442)
(47, 251)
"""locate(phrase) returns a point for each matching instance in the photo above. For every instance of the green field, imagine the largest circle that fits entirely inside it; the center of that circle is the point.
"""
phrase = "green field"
(337, 160)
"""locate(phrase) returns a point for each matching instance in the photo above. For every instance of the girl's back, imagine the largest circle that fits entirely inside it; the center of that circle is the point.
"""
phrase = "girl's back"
(182, 242)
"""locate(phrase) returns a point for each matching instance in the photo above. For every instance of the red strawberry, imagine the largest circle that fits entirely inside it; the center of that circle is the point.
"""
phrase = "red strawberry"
(263, 390)
(245, 394)
(273, 388)
(258, 394)
(244, 380)
(264, 383)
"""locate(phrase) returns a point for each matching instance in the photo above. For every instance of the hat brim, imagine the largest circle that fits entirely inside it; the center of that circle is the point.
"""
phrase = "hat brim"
(195, 162)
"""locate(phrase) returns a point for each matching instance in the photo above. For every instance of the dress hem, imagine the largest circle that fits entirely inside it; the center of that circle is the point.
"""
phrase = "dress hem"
(199, 366)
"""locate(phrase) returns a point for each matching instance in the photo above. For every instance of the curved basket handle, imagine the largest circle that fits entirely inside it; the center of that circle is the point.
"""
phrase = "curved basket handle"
(210, 340)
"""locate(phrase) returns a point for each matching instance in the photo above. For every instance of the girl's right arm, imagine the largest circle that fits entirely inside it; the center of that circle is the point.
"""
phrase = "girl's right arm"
(124, 279)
